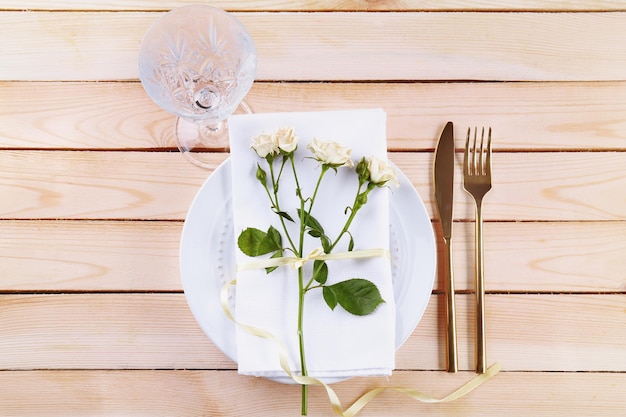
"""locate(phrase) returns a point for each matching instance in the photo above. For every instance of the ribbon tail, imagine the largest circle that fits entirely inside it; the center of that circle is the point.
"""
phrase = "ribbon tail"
(460, 392)
(362, 401)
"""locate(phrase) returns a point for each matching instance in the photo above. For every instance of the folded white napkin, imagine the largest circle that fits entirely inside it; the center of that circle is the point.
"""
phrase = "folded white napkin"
(338, 344)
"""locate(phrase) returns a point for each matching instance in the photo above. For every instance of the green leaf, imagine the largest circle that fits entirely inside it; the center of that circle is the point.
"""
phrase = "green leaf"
(320, 271)
(277, 254)
(274, 235)
(311, 222)
(329, 297)
(351, 244)
(255, 242)
(250, 240)
(325, 243)
(357, 296)
(285, 215)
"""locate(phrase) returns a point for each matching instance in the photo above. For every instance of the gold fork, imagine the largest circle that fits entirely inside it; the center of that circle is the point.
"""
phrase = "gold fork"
(477, 182)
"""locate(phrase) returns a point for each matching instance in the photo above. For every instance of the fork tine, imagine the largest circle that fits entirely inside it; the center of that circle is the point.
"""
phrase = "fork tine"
(488, 157)
(466, 159)
(477, 156)
(473, 171)
(481, 158)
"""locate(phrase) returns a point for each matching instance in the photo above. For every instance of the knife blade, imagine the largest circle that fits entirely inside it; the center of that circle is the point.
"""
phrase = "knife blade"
(443, 179)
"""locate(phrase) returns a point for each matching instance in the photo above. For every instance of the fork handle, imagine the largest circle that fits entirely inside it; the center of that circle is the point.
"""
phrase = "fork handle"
(481, 342)
(451, 346)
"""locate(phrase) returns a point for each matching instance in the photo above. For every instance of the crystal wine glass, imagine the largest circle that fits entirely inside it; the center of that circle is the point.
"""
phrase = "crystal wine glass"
(199, 63)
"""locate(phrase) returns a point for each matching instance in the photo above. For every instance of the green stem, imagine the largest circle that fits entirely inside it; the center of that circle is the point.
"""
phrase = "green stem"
(301, 340)
(301, 291)
(276, 203)
(308, 286)
(317, 186)
(353, 211)
(302, 201)
(267, 190)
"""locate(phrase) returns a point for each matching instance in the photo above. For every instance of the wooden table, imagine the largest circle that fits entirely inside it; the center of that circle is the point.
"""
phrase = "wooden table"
(93, 320)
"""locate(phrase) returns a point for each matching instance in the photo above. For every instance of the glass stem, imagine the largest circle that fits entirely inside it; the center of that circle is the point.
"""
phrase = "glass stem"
(211, 128)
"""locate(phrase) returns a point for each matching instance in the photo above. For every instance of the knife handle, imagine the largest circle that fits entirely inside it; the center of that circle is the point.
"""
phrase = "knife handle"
(451, 346)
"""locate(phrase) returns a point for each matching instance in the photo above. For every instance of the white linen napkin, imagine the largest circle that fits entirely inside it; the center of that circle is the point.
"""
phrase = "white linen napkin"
(337, 343)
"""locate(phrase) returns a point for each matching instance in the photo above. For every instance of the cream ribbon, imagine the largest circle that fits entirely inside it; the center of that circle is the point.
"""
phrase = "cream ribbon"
(314, 255)
(368, 396)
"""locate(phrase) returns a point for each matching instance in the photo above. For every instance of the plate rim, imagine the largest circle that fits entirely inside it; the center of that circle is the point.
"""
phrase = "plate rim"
(406, 191)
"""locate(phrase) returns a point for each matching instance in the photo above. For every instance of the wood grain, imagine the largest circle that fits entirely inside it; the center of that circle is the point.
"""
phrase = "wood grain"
(535, 186)
(337, 46)
(98, 331)
(93, 320)
(89, 256)
(126, 256)
(193, 393)
(316, 5)
(146, 331)
(99, 184)
(542, 257)
(524, 116)
(81, 116)
(140, 185)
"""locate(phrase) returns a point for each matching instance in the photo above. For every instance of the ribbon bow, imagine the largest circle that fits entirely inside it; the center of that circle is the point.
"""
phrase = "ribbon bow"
(316, 254)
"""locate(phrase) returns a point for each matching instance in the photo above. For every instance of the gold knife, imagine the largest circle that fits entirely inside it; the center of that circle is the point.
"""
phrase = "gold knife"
(443, 178)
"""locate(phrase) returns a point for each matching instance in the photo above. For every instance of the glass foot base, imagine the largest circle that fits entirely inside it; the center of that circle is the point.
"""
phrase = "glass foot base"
(198, 141)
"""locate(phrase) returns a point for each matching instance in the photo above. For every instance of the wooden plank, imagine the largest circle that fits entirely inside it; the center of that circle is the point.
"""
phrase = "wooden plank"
(99, 184)
(559, 186)
(337, 46)
(544, 256)
(187, 393)
(155, 185)
(147, 331)
(81, 116)
(143, 256)
(546, 116)
(549, 332)
(316, 5)
(89, 256)
(95, 331)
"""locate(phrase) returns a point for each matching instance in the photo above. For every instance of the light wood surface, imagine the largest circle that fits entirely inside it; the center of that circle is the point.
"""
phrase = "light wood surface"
(574, 115)
(93, 318)
(338, 45)
(329, 5)
(146, 331)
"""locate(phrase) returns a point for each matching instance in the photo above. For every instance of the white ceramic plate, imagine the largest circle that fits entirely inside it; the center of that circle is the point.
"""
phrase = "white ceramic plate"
(207, 257)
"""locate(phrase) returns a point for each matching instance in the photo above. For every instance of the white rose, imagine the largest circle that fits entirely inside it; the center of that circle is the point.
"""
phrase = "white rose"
(286, 140)
(331, 153)
(381, 172)
(264, 145)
